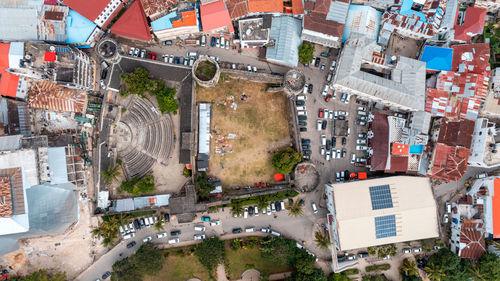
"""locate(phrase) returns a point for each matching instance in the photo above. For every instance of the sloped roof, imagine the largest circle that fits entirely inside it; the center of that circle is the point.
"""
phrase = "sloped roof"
(265, 6)
(19, 23)
(495, 202)
(214, 16)
(380, 140)
(362, 20)
(153, 7)
(398, 164)
(8, 82)
(456, 133)
(90, 9)
(237, 8)
(48, 95)
(326, 16)
(297, 7)
(133, 23)
(437, 58)
(285, 30)
(472, 238)
(450, 162)
(472, 58)
(436, 102)
(473, 24)
(78, 28)
(5, 198)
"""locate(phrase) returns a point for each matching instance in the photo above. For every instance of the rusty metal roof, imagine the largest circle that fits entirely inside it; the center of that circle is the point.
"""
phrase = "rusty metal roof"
(48, 95)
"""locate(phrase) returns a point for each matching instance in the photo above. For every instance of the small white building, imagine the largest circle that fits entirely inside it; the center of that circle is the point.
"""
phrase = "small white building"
(254, 32)
(485, 146)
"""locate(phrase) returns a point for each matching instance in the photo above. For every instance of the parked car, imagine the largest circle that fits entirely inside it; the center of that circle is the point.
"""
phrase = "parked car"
(300, 102)
(320, 113)
(361, 141)
(217, 43)
(106, 275)
(205, 218)
(131, 244)
(131, 51)
(153, 56)
(417, 250)
(359, 164)
(351, 257)
(324, 124)
(237, 230)
(278, 206)
(344, 141)
(306, 141)
(212, 42)
(446, 218)
(310, 88)
(322, 68)
(199, 228)
(147, 239)
(265, 230)
(406, 250)
(161, 235)
(314, 208)
(175, 232)
(173, 241)
(361, 147)
(362, 135)
(200, 237)
(317, 62)
(167, 43)
(363, 255)
(214, 223)
(302, 118)
(323, 139)
(306, 146)
(303, 129)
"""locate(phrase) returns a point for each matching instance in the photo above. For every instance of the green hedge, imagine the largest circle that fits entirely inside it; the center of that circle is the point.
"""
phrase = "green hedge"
(384, 266)
(269, 197)
(353, 271)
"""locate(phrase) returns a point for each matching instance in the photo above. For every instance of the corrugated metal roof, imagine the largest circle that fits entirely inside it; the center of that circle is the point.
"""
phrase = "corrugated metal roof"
(52, 25)
(204, 128)
(286, 32)
(362, 20)
(10, 142)
(338, 11)
(57, 165)
(19, 24)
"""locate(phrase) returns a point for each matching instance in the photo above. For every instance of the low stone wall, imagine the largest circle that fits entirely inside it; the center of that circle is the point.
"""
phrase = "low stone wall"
(253, 76)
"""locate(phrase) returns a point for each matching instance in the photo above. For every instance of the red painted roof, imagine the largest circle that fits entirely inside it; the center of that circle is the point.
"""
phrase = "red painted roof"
(362, 176)
(400, 149)
(473, 23)
(50, 56)
(8, 82)
(436, 101)
(398, 164)
(380, 140)
(450, 162)
(265, 6)
(133, 23)
(471, 58)
(90, 9)
(495, 201)
(473, 238)
(214, 16)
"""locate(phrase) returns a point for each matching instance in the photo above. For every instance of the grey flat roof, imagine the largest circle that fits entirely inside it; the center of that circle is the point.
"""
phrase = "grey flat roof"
(18, 24)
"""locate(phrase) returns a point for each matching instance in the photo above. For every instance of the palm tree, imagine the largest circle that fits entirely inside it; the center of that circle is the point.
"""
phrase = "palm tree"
(295, 209)
(159, 224)
(111, 174)
(108, 229)
(322, 240)
(236, 209)
(262, 203)
(476, 274)
(434, 274)
(409, 267)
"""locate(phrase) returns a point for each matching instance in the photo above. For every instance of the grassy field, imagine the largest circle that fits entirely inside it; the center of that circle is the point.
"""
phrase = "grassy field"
(237, 261)
(260, 124)
(180, 268)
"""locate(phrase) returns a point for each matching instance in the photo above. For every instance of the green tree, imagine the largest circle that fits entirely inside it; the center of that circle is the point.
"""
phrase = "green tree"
(41, 275)
(295, 209)
(371, 250)
(316, 275)
(138, 82)
(374, 278)
(166, 100)
(304, 265)
(433, 273)
(148, 260)
(262, 202)
(487, 269)
(108, 229)
(306, 52)
(277, 250)
(187, 173)
(159, 224)
(211, 252)
(111, 174)
(203, 185)
(285, 160)
(145, 185)
(454, 268)
(393, 250)
(322, 240)
(236, 209)
(408, 268)
(338, 277)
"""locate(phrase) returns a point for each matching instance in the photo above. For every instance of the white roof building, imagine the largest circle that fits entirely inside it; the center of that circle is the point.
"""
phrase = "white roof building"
(365, 71)
(484, 145)
(381, 211)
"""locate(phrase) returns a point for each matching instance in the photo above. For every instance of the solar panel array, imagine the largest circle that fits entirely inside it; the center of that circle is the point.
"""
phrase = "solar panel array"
(385, 226)
(381, 197)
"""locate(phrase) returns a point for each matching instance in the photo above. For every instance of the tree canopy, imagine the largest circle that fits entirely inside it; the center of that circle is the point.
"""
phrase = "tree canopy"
(211, 252)
(306, 52)
(338, 277)
(108, 229)
(487, 269)
(452, 266)
(374, 278)
(285, 160)
(138, 186)
(203, 185)
(148, 260)
(41, 275)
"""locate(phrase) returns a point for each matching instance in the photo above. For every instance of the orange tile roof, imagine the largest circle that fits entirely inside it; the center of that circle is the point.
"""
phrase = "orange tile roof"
(265, 6)
(297, 7)
(400, 149)
(495, 201)
(5, 198)
(8, 82)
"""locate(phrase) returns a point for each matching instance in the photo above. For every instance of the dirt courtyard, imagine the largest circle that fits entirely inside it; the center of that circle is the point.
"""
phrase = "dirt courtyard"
(246, 131)
(404, 46)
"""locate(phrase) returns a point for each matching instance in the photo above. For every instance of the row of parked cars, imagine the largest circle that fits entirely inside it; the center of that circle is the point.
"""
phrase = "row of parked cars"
(144, 54)
(127, 230)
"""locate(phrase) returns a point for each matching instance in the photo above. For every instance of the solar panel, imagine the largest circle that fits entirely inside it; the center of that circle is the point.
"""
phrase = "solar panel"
(381, 197)
(385, 226)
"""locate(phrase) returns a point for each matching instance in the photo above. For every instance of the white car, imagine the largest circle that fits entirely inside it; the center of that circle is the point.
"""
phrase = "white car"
(327, 157)
(361, 141)
(268, 210)
(173, 241)
(330, 115)
(305, 89)
(128, 236)
(256, 213)
(161, 235)
(200, 237)
(361, 147)
(131, 227)
(406, 250)
(446, 218)
(103, 85)
(249, 229)
(417, 250)
(265, 230)
(322, 150)
(302, 113)
(318, 125)
(323, 139)
(131, 52)
(213, 223)
(347, 98)
(227, 45)
(245, 214)
(147, 239)
(122, 232)
(339, 154)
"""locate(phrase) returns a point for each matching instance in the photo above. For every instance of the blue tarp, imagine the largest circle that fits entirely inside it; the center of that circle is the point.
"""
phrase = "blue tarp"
(437, 58)
(407, 11)
(78, 28)
(417, 149)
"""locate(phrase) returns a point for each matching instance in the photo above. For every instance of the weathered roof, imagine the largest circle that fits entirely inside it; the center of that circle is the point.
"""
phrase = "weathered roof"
(473, 245)
(133, 23)
(10, 142)
(472, 58)
(265, 6)
(237, 8)
(473, 24)
(214, 16)
(380, 140)
(48, 95)
(154, 7)
(364, 20)
(6, 209)
(19, 23)
(285, 30)
(52, 26)
(456, 133)
(450, 162)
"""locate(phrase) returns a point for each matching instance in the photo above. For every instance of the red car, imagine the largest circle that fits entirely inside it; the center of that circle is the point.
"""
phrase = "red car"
(328, 97)
(359, 164)
(153, 56)
(320, 114)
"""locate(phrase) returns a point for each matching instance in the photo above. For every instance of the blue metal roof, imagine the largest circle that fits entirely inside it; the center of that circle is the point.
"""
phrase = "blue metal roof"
(163, 22)
(78, 28)
(286, 32)
(437, 58)
(57, 165)
(363, 20)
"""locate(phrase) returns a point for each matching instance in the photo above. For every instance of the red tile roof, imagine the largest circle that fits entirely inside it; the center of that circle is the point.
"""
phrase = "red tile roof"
(237, 8)
(214, 16)
(450, 162)
(398, 164)
(380, 140)
(436, 101)
(316, 19)
(8, 82)
(495, 201)
(265, 6)
(14, 175)
(473, 24)
(90, 9)
(297, 7)
(133, 23)
(456, 133)
(5, 198)
(472, 236)
(472, 58)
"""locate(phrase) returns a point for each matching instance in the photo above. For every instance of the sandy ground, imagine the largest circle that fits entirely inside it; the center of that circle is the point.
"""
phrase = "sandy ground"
(72, 251)
(259, 123)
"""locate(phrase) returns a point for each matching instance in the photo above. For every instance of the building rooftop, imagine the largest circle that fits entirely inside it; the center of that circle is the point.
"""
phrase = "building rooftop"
(472, 58)
(472, 242)
(6, 205)
(456, 133)
(437, 58)
(154, 8)
(9, 82)
(285, 31)
(237, 8)
(133, 23)
(215, 16)
(48, 95)
(253, 29)
(449, 162)
(78, 28)
(472, 24)
(90, 9)
(175, 20)
(402, 83)
(19, 23)
(383, 211)
(326, 16)
(297, 7)
(52, 25)
(380, 140)
(362, 20)
(265, 6)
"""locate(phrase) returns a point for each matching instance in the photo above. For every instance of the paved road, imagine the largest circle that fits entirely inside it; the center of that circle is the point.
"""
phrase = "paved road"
(299, 229)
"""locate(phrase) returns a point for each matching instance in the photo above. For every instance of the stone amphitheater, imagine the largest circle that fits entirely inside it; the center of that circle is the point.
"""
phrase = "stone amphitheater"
(143, 137)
